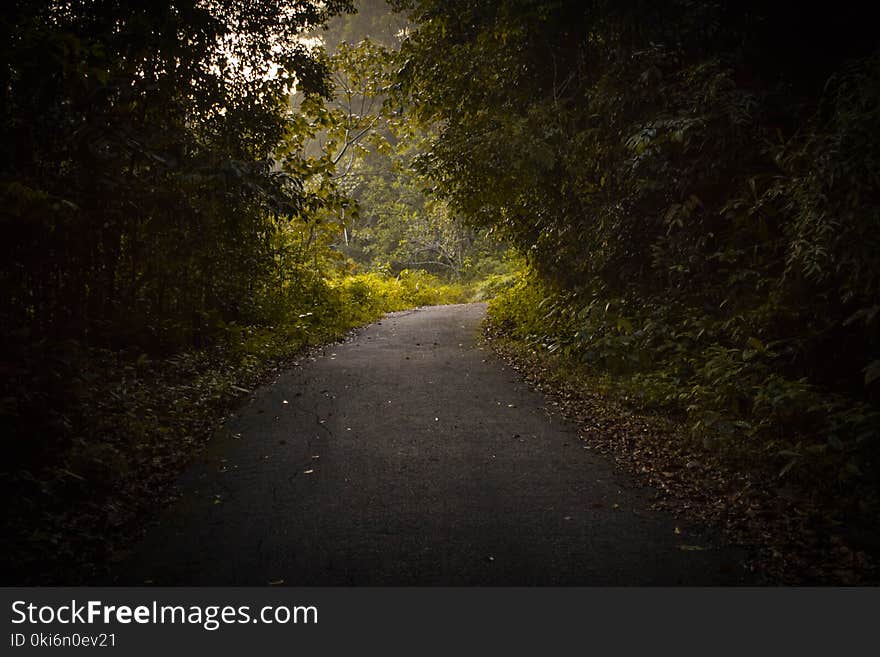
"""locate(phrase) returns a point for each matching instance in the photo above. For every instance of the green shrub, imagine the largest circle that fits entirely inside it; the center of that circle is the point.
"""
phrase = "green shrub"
(732, 389)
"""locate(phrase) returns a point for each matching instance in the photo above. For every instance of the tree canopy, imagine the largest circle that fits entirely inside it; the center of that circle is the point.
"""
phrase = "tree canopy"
(694, 184)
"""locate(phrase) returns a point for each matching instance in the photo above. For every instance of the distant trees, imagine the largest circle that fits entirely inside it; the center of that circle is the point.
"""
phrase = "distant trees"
(362, 149)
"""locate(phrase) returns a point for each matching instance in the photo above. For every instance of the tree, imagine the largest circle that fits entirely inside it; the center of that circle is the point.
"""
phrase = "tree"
(138, 190)
(693, 197)
(361, 150)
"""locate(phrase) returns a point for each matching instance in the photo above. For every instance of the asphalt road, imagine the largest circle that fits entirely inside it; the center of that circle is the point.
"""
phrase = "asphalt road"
(411, 455)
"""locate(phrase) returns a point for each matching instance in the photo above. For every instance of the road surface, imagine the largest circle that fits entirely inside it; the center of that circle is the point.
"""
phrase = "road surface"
(411, 455)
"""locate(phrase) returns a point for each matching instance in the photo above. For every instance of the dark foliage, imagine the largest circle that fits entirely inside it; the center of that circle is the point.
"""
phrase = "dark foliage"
(139, 196)
(695, 185)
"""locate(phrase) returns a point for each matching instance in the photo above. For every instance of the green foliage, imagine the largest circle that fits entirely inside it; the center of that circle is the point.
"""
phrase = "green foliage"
(358, 152)
(375, 293)
(698, 206)
(137, 182)
(492, 285)
(736, 398)
(141, 208)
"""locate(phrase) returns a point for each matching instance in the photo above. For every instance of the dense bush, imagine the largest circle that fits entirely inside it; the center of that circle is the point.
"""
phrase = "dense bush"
(733, 397)
(695, 189)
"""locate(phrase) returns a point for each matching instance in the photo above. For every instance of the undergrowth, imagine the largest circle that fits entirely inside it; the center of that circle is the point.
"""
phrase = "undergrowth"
(97, 435)
(728, 390)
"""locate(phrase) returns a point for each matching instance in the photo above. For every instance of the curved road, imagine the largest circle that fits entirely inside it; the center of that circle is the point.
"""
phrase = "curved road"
(411, 455)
